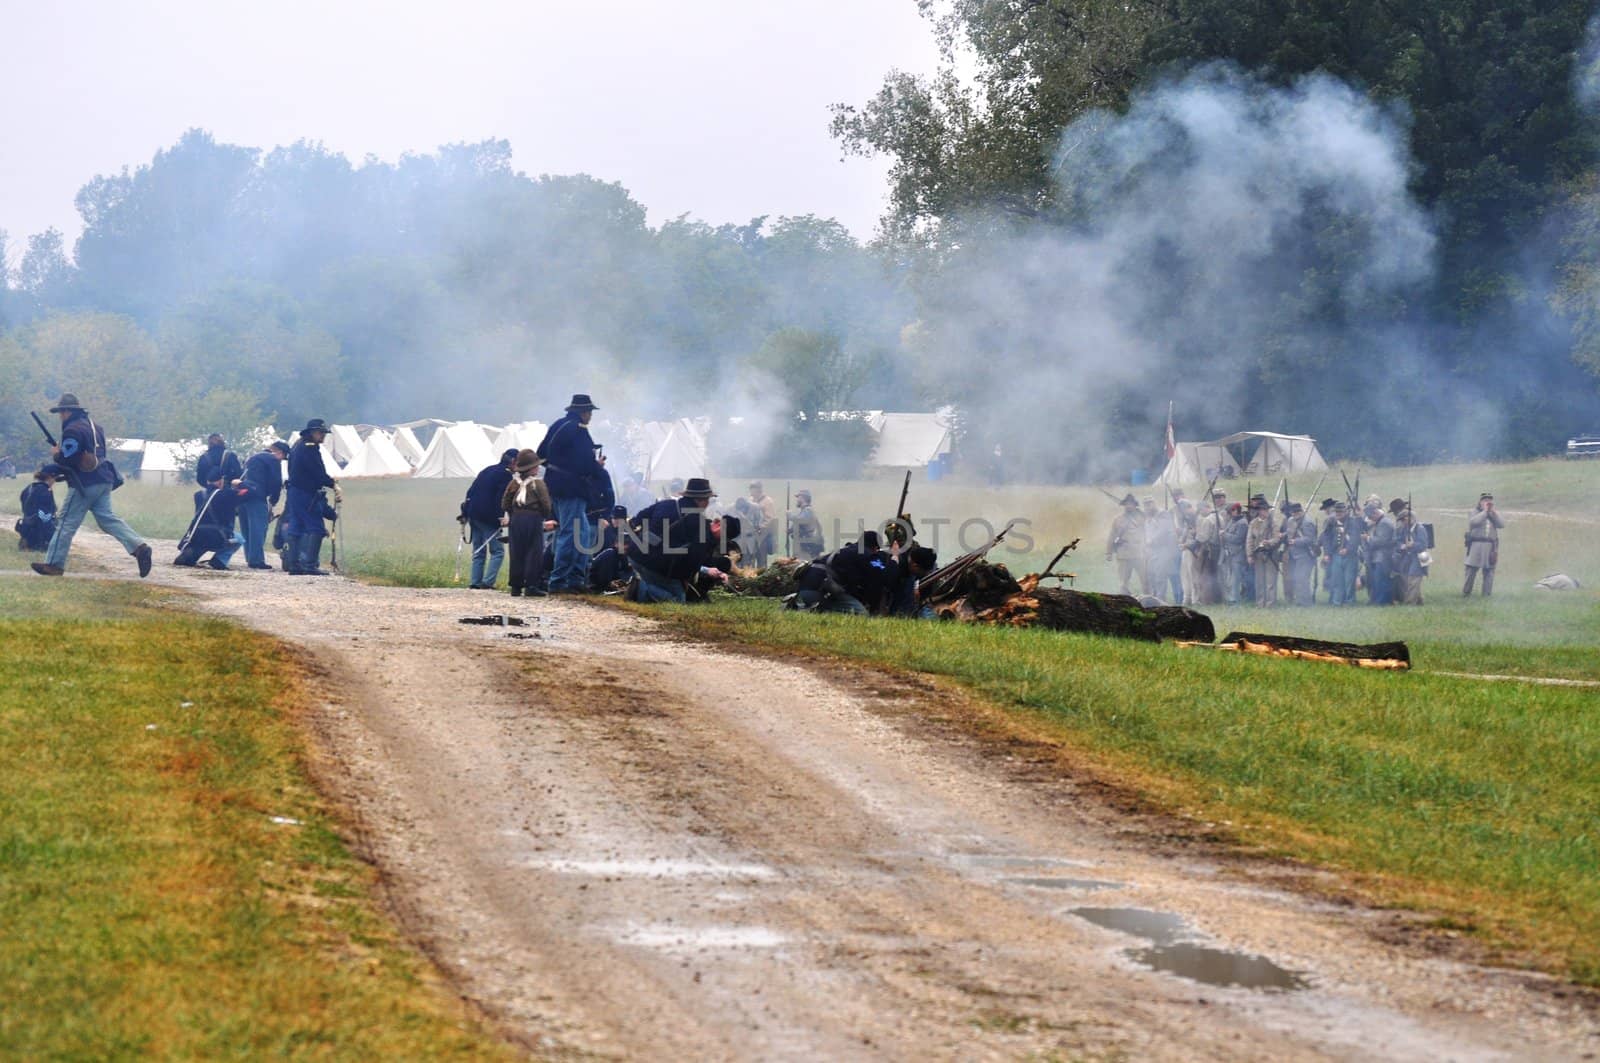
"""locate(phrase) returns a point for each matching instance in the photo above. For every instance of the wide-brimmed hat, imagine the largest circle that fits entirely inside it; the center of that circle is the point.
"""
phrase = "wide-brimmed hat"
(581, 402)
(316, 424)
(1128, 500)
(278, 444)
(69, 401)
(697, 487)
(1396, 505)
(527, 460)
(1327, 504)
(1486, 497)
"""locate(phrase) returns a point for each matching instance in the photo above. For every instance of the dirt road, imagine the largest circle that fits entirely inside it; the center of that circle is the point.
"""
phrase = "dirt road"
(627, 845)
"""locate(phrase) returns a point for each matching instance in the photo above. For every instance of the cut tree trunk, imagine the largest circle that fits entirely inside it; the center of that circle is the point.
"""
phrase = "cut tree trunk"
(988, 594)
(1397, 653)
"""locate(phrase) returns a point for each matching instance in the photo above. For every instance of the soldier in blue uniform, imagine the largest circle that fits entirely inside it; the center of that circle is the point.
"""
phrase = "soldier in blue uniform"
(217, 467)
(676, 545)
(262, 483)
(38, 521)
(573, 468)
(80, 459)
(484, 513)
(307, 506)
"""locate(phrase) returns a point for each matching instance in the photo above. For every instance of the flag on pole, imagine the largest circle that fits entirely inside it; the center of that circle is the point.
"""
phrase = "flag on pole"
(1172, 443)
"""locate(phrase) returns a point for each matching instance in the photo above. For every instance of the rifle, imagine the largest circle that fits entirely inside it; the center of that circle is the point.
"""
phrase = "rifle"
(333, 535)
(1313, 498)
(900, 528)
(1108, 494)
(1350, 492)
(48, 438)
(788, 525)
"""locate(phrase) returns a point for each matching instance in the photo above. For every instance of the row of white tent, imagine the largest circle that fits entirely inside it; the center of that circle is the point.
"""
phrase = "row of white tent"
(1261, 454)
(662, 450)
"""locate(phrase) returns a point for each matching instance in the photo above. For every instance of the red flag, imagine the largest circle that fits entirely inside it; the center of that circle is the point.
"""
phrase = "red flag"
(1172, 444)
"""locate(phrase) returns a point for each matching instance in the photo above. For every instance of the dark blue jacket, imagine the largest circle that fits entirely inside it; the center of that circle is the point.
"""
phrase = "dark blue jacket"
(486, 494)
(568, 451)
(217, 463)
(79, 435)
(37, 498)
(306, 471)
(263, 477)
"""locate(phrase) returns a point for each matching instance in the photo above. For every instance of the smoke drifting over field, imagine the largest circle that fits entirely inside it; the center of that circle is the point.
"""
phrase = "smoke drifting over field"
(1227, 239)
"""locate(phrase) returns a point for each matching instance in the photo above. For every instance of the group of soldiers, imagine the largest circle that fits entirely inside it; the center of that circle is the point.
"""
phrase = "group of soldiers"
(1222, 552)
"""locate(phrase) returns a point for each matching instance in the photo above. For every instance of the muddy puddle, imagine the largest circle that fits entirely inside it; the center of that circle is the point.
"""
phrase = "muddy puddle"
(1171, 953)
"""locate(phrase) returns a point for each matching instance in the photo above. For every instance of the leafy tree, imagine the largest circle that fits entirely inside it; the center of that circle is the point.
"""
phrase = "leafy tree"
(45, 274)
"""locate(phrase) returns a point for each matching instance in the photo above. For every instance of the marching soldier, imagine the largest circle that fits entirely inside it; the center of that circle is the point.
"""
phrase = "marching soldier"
(1299, 555)
(1410, 557)
(1125, 545)
(1163, 577)
(1234, 555)
(1340, 544)
(1378, 546)
(1483, 544)
(1263, 544)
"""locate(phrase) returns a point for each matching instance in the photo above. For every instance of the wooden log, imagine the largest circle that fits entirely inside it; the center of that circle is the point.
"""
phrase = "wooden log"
(1377, 651)
(1059, 609)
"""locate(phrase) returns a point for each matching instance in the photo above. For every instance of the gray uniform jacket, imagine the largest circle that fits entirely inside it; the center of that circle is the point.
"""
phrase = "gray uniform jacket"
(1301, 535)
(1483, 536)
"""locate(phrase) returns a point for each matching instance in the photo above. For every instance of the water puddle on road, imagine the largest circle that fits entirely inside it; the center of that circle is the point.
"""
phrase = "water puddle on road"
(1158, 928)
(1170, 954)
(1042, 883)
(1218, 967)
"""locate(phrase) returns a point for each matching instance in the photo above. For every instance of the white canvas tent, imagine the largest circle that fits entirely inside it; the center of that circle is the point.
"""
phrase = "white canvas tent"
(1243, 454)
(910, 440)
(670, 450)
(162, 461)
(460, 450)
(405, 441)
(328, 462)
(344, 441)
(377, 457)
(521, 435)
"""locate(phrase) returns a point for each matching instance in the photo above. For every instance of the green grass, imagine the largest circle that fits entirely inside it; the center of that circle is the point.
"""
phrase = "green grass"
(151, 904)
(1476, 799)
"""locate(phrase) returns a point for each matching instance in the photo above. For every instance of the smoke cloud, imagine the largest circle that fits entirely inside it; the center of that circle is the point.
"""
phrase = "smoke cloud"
(1228, 246)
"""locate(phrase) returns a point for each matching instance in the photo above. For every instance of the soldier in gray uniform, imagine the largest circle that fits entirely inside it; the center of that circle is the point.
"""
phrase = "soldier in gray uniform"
(1263, 544)
(1232, 565)
(1299, 555)
(805, 528)
(1125, 545)
(1483, 544)
(1378, 545)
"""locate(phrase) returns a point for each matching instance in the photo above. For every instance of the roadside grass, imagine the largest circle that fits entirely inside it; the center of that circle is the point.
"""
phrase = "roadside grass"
(1476, 800)
(152, 904)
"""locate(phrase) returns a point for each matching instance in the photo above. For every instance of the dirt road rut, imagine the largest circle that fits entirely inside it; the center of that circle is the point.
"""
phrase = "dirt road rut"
(622, 844)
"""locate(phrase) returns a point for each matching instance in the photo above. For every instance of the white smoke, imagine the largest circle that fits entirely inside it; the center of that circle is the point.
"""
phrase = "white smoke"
(1198, 217)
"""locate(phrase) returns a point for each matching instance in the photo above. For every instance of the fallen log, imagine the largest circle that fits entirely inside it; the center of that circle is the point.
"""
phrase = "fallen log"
(1350, 651)
(1389, 656)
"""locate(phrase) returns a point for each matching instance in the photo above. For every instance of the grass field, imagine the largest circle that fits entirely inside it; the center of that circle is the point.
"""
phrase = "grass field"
(170, 884)
(1477, 799)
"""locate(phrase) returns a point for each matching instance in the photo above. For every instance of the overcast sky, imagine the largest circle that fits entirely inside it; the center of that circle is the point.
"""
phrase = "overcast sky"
(716, 108)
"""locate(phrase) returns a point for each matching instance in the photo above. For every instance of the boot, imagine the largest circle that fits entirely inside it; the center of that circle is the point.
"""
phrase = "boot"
(1488, 582)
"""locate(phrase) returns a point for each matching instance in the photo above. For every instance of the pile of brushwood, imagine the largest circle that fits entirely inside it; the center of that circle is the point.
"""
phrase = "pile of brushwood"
(985, 593)
(973, 590)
